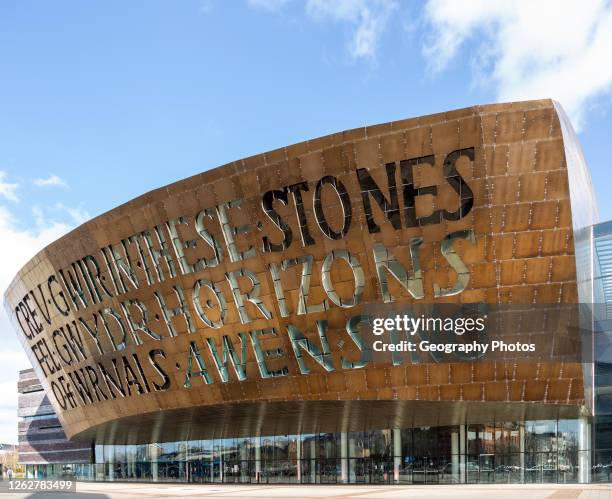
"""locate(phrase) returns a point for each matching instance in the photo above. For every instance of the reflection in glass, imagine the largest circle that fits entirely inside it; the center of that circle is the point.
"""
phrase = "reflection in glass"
(543, 451)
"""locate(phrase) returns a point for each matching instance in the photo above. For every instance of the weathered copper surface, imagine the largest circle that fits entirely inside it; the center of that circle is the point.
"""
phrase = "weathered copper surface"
(516, 202)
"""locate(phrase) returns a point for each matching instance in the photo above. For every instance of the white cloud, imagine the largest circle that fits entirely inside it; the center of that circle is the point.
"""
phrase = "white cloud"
(50, 181)
(369, 18)
(8, 190)
(48, 216)
(39, 216)
(272, 5)
(528, 49)
(11, 361)
(17, 247)
(78, 215)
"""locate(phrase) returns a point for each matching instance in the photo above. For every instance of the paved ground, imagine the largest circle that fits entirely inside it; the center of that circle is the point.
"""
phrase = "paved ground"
(135, 490)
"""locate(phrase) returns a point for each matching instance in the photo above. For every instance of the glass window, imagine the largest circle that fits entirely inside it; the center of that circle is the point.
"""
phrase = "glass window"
(406, 442)
(130, 453)
(267, 448)
(602, 466)
(99, 453)
(281, 447)
(480, 439)
(167, 451)
(508, 468)
(428, 455)
(182, 451)
(379, 443)
(254, 444)
(422, 441)
(567, 435)
(243, 447)
(143, 471)
(292, 447)
(329, 445)
(507, 438)
(540, 467)
(540, 436)
(193, 449)
(357, 445)
(109, 453)
(567, 466)
(120, 454)
(433, 441)
(228, 449)
(309, 446)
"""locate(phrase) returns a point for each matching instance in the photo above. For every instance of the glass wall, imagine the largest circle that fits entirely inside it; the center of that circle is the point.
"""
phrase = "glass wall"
(543, 451)
(601, 364)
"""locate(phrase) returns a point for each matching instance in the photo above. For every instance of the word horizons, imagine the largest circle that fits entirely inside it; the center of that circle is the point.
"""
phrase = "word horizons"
(164, 253)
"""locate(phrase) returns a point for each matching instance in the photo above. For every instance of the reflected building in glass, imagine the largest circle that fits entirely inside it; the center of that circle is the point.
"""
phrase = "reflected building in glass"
(222, 329)
(541, 451)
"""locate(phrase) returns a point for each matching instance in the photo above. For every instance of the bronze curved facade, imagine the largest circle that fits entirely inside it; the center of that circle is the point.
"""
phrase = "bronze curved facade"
(221, 305)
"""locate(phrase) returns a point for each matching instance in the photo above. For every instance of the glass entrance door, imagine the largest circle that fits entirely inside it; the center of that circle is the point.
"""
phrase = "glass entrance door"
(329, 470)
(486, 468)
(380, 471)
(358, 471)
(199, 471)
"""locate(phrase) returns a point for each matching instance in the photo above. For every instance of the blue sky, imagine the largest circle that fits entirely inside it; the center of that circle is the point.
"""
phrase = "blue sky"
(123, 97)
(101, 101)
